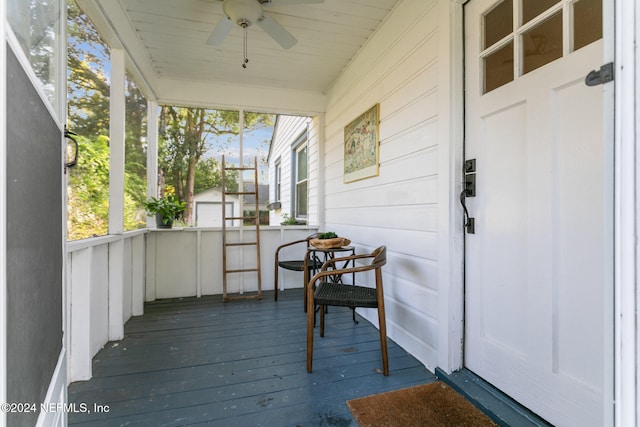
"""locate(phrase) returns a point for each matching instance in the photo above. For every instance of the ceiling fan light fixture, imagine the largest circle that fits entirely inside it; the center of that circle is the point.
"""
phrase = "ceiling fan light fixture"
(243, 12)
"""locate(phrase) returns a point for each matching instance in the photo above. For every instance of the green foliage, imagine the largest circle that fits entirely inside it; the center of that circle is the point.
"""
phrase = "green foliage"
(135, 168)
(88, 190)
(209, 175)
(327, 235)
(135, 189)
(88, 115)
(189, 138)
(184, 139)
(88, 86)
(168, 207)
(263, 217)
(287, 220)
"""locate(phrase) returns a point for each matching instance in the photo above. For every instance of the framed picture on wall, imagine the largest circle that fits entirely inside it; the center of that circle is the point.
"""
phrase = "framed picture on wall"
(361, 146)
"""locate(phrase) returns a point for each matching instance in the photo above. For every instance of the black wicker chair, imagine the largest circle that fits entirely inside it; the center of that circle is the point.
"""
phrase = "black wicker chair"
(294, 265)
(324, 293)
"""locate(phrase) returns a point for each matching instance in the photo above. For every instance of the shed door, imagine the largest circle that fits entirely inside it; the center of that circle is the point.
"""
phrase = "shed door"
(536, 267)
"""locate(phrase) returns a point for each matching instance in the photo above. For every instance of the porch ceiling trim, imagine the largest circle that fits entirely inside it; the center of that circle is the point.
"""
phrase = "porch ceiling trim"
(254, 98)
(167, 54)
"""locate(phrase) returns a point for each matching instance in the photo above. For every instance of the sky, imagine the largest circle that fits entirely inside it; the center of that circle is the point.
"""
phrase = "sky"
(254, 143)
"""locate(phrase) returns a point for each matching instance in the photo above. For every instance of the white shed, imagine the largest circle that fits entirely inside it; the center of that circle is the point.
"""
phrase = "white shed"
(207, 208)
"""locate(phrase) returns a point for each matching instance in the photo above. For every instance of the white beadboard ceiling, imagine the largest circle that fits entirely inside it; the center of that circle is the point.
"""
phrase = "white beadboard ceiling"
(167, 40)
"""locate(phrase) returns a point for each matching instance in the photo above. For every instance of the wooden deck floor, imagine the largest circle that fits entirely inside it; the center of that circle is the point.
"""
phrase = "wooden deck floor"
(241, 363)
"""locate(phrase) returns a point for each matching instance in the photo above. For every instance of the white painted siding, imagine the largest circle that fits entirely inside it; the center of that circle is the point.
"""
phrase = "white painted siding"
(288, 130)
(400, 68)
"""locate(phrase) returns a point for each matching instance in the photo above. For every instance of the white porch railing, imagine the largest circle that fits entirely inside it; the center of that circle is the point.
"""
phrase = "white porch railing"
(110, 277)
(105, 287)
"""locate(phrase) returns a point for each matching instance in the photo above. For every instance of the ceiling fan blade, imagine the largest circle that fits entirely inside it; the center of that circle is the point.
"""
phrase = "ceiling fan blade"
(288, 2)
(277, 31)
(220, 32)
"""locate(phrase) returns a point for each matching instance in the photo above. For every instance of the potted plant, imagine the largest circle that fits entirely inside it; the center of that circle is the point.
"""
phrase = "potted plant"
(329, 240)
(165, 209)
(288, 220)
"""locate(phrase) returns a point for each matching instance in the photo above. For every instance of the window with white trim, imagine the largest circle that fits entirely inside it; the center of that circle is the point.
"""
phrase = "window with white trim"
(544, 31)
(278, 181)
(300, 174)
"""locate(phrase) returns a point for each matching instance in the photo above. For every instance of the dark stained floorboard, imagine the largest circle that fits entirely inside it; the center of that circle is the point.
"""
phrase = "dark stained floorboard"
(200, 361)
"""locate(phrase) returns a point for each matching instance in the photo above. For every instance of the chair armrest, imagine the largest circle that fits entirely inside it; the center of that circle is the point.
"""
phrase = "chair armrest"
(289, 244)
(295, 242)
(277, 254)
(324, 273)
(332, 261)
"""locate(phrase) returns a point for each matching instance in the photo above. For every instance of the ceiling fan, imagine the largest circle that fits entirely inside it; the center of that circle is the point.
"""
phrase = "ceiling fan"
(245, 13)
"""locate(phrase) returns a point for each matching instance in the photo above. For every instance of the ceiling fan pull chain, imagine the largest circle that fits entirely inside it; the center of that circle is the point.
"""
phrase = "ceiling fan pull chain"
(246, 60)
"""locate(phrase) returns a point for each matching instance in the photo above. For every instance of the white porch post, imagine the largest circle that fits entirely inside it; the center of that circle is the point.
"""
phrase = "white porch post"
(116, 192)
(152, 154)
(116, 142)
(320, 123)
(627, 206)
(450, 159)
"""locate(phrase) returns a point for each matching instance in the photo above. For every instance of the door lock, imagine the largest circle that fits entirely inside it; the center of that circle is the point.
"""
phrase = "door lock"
(470, 185)
(468, 190)
(470, 166)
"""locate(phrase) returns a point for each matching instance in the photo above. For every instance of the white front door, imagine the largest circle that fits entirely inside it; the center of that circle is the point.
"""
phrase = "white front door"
(537, 268)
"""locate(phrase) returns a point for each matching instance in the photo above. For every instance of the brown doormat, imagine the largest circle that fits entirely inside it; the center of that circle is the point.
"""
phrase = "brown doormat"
(430, 405)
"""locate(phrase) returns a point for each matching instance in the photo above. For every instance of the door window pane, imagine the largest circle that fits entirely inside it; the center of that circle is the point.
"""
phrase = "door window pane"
(533, 8)
(587, 22)
(498, 68)
(537, 37)
(498, 23)
(542, 44)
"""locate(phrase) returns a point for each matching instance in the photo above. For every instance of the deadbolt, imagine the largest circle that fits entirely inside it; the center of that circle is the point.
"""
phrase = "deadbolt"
(469, 165)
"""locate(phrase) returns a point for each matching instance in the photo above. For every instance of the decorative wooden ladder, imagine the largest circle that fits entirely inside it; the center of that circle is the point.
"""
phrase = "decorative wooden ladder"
(240, 243)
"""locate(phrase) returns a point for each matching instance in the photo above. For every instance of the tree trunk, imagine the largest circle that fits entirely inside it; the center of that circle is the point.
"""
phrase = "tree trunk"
(189, 190)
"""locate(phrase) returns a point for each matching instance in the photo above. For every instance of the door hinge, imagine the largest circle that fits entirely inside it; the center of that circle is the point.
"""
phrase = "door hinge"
(601, 76)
